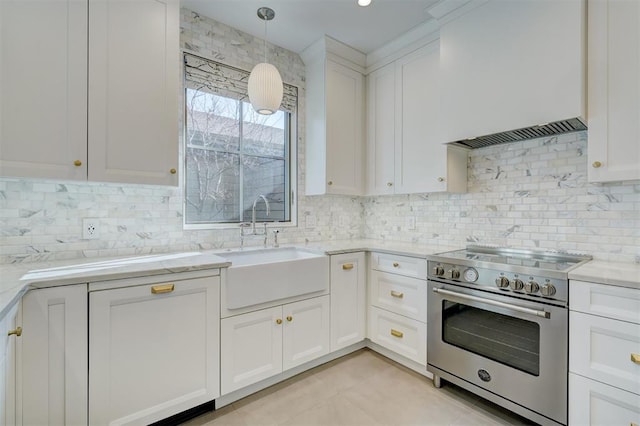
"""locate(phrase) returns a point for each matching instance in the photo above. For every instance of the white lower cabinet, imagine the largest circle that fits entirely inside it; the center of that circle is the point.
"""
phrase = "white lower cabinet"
(51, 370)
(261, 344)
(398, 305)
(153, 349)
(8, 335)
(348, 299)
(594, 403)
(604, 354)
(399, 334)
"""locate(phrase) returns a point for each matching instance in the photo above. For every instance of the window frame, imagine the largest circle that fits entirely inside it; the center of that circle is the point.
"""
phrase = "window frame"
(291, 178)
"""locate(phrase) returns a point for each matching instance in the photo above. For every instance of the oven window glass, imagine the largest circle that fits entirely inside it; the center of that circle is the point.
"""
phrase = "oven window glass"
(511, 341)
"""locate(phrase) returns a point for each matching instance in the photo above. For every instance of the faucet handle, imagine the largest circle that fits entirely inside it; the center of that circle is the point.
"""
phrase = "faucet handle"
(275, 238)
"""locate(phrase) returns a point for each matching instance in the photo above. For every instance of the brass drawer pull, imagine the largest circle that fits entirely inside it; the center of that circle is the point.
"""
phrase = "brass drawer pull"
(289, 318)
(347, 266)
(77, 163)
(635, 358)
(164, 288)
(633, 424)
(396, 264)
(17, 332)
(597, 164)
(397, 294)
(173, 171)
(278, 321)
(397, 333)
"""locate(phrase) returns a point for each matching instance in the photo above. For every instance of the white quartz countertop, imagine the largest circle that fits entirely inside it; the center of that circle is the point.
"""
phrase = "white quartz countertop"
(15, 280)
(610, 273)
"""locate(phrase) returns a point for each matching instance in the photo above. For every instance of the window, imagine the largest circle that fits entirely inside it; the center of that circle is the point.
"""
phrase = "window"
(233, 154)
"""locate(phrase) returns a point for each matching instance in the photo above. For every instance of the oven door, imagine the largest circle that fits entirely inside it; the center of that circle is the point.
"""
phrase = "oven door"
(514, 348)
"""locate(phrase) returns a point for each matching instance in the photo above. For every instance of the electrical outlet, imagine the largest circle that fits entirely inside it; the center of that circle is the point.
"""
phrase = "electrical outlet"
(90, 229)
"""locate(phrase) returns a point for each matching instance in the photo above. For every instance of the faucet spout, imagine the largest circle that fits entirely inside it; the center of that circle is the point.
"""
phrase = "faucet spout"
(253, 210)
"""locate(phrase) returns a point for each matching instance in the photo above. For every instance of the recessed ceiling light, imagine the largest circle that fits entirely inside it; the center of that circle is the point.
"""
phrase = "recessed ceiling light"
(364, 2)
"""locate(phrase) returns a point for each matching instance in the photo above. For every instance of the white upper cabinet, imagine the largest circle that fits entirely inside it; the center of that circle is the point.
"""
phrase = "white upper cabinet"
(614, 90)
(90, 98)
(334, 119)
(509, 64)
(133, 91)
(43, 88)
(404, 152)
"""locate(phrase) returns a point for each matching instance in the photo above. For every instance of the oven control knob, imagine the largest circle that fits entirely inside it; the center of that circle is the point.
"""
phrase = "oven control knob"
(438, 271)
(517, 285)
(548, 290)
(502, 282)
(453, 274)
(531, 287)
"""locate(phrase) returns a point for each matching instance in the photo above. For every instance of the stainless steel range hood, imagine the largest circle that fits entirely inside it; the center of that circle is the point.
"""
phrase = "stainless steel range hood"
(538, 131)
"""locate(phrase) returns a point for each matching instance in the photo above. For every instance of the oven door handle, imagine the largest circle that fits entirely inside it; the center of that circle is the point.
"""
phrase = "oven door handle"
(542, 314)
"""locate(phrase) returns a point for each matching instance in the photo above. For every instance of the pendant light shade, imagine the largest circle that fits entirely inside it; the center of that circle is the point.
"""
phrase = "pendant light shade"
(265, 84)
(265, 89)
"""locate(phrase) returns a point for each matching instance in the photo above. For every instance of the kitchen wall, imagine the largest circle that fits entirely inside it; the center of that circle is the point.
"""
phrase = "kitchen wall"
(526, 194)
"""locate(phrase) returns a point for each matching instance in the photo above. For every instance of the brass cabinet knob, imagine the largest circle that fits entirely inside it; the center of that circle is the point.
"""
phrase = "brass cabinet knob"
(173, 171)
(289, 318)
(396, 264)
(77, 163)
(330, 183)
(596, 164)
(389, 184)
(278, 321)
(635, 358)
(17, 332)
(441, 179)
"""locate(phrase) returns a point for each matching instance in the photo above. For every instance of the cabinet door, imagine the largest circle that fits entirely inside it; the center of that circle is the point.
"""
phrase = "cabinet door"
(52, 357)
(594, 403)
(8, 368)
(133, 91)
(43, 88)
(404, 336)
(153, 351)
(420, 156)
(614, 90)
(381, 124)
(348, 304)
(345, 130)
(306, 334)
(251, 348)
(604, 349)
(402, 295)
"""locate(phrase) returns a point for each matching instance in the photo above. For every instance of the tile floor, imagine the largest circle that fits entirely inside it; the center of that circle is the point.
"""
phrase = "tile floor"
(363, 388)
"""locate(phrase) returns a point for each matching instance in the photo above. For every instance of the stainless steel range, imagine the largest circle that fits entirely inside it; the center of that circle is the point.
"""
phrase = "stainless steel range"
(498, 326)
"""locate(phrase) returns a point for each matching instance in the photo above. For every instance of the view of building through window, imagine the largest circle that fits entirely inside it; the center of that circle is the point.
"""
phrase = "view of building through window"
(233, 155)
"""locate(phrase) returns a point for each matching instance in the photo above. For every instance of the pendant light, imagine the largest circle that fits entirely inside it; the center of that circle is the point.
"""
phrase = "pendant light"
(265, 83)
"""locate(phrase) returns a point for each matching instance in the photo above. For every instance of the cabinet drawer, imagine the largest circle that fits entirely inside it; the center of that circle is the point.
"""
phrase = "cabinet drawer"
(602, 349)
(402, 335)
(402, 265)
(402, 295)
(594, 403)
(605, 300)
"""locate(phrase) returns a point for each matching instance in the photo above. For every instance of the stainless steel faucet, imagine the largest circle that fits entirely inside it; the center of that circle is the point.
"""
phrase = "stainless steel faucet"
(243, 226)
(253, 211)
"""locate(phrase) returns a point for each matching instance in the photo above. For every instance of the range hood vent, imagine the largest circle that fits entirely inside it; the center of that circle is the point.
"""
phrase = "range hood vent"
(540, 131)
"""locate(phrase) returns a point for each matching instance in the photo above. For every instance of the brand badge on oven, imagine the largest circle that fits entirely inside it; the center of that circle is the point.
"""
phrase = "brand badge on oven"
(484, 375)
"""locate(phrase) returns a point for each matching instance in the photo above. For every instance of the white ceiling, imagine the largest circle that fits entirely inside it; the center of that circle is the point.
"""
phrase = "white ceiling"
(298, 23)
